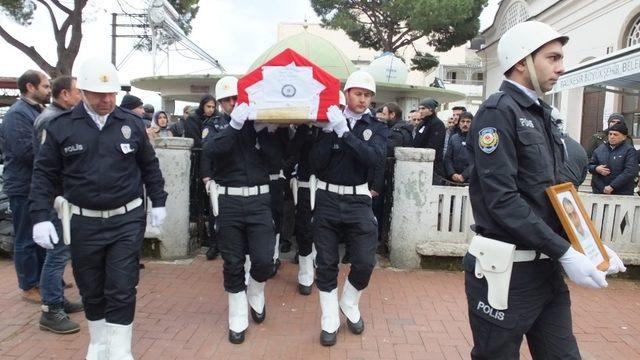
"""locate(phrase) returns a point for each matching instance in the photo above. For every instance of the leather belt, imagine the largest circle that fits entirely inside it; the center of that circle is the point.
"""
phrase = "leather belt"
(362, 189)
(133, 204)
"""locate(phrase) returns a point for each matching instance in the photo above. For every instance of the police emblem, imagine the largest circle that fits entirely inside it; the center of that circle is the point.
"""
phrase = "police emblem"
(205, 132)
(288, 91)
(43, 137)
(367, 134)
(126, 131)
(488, 139)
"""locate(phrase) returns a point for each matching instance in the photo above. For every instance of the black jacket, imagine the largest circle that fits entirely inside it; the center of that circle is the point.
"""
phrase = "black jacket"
(577, 164)
(430, 135)
(399, 136)
(211, 125)
(517, 154)
(456, 159)
(622, 162)
(194, 126)
(98, 169)
(297, 158)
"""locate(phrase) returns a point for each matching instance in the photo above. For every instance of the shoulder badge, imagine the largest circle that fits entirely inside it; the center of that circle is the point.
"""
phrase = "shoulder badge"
(366, 134)
(205, 132)
(488, 139)
(43, 137)
(126, 131)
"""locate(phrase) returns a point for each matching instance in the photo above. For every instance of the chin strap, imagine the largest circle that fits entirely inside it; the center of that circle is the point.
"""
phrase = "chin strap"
(534, 76)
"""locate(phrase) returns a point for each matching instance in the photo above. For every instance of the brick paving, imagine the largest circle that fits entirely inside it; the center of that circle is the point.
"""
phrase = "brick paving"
(182, 314)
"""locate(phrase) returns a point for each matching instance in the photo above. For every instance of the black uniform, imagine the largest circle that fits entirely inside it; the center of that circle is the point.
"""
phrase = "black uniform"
(244, 223)
(456, 159)
(277, 180)
(517, 153)
(430, 135)
(100, 170)
(346, 161)
(623, 164)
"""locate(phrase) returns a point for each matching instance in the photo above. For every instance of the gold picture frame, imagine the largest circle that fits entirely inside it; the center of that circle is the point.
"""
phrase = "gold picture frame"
(577, 224)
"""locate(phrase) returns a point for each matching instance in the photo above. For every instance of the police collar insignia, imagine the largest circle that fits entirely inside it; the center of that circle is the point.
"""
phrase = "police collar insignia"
(43, 137)
(367, 134)
(488, 139)
(205, 132)
(126, 131)
(526, 122)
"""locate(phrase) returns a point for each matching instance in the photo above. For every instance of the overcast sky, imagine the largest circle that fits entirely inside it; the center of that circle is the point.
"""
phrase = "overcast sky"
(233, 31)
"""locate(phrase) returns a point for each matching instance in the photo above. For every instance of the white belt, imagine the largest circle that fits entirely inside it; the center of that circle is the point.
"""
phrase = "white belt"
(527, 255)
(362, 189)
(244, 190)
(274, 177)
(107, 213)
(303, 184)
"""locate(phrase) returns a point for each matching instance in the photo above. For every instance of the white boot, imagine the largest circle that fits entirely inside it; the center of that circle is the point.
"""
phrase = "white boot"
(247, 269)
(238, 312)
(119, 341)
(255, 296)
(330, 321)
(349, 302)
(314, 253)
(276, 250)
(98, 340)
(305, 271)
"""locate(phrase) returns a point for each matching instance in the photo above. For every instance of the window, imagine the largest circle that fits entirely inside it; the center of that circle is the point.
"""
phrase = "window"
(515, 14)
(634, 33)
(452, 76)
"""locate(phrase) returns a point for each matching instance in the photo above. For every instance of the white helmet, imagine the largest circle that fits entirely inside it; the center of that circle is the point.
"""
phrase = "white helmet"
(522, 40)
(360, 79)
(342, 100)
(226, 87)
(98, 75)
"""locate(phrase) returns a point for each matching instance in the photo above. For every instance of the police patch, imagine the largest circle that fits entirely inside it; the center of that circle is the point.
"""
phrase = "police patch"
(126, 131)
(488, 139)
(43, 138)
(205, 132)
(367, 134)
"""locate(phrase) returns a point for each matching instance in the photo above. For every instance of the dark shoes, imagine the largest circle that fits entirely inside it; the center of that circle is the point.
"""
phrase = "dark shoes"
(276, 266)
(72, 307)
(346, 259)
(236, 337)
(357, 327)
(328, 339)
(285, 246)
(212, 253)
(304, 290)
(258, 318)
(56, 320)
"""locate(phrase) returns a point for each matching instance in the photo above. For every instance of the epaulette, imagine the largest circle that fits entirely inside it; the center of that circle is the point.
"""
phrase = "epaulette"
(493, 100)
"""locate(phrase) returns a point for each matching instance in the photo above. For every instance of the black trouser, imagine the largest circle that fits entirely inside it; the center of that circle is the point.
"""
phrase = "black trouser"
(352, 216)
(304, 237)
(539, 308)
(244, 226)
(104, 255)
(276, 190)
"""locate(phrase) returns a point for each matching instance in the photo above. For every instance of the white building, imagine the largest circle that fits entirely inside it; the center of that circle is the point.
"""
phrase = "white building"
(602, 59)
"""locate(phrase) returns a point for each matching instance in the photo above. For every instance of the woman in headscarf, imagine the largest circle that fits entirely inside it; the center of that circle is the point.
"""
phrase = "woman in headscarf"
(160, 126)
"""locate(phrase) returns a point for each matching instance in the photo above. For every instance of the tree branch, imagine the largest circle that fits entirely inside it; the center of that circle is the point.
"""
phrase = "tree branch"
(30, 51)
(54, 22)
(61, 7)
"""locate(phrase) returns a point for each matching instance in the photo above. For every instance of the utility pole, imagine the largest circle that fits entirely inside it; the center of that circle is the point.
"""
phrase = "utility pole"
(115, 35)
(114, 16)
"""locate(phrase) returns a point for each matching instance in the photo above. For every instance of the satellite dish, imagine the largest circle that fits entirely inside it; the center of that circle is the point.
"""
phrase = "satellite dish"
(389, 69)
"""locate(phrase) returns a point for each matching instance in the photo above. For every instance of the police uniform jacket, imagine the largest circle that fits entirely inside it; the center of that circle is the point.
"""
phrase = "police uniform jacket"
(399, 135)
(623, 164)
(347, 160)
(517, 154)
(280, 140)
(430, 135)
(98, 169)
(18, 147)
(239, 157)
(456, 159)
(212, 124)
(42, 121)
(298, 152)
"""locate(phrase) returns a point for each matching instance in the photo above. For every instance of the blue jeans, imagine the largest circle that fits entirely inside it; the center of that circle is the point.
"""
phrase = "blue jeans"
(51, 283)
(28, 257)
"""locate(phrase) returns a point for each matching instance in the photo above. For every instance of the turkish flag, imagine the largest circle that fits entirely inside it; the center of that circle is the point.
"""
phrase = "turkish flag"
(289, 89)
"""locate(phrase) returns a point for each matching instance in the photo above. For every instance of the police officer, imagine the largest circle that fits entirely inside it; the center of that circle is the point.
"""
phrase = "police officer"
(101, 156)
(345, 151)
(517, 153)
(430, 133)
(239, 150)
(277, 182)
(456, 159)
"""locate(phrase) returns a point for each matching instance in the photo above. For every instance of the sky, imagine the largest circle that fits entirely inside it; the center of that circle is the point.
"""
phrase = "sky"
(235, 32)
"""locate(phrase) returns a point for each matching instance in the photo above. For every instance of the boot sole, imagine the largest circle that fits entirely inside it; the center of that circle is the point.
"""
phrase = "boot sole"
(46, 328)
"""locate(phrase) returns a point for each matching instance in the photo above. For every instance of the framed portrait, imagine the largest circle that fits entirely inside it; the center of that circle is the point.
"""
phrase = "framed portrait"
(577, 224)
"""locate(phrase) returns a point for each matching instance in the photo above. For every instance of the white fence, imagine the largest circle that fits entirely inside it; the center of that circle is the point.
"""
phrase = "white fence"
(435, 220)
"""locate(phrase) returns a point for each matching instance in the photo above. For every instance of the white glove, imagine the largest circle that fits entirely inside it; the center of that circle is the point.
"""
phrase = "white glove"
(337, 120)
(239, 115)
(581, 270)
(615, 263)
(325, 126)
(45, 235)
(259, 126)
(157, 216)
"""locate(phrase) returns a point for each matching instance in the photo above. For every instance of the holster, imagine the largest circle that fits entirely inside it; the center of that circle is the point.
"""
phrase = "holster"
(494, 262)
(293, 183)
(313, 186)
(63, 208)
(212, 190)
